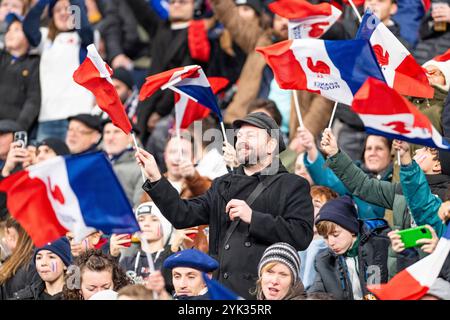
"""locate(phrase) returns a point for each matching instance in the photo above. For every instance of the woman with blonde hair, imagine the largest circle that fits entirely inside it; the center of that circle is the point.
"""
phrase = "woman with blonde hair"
(279, 270)
(18, 271)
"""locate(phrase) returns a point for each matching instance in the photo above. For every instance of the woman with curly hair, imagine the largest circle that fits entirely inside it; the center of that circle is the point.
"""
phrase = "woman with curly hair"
(96, 272)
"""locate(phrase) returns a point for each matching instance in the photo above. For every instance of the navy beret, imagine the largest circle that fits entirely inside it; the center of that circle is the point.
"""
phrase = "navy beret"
(191, 258)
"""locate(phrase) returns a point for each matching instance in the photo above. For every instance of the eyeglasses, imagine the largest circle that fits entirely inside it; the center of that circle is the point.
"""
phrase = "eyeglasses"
(80, 131)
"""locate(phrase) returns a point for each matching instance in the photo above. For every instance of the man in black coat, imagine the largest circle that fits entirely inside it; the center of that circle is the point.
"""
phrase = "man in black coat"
(247, 210)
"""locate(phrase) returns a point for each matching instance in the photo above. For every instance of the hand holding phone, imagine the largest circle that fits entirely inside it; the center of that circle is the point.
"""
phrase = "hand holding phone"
(21, 138)
(410, 236)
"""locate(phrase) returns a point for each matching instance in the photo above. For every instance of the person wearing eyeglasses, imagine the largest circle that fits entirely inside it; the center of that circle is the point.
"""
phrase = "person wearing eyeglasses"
(83, 134)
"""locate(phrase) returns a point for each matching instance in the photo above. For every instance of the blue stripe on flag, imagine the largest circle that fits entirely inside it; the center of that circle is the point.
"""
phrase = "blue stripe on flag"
(355, 60)
(204, 95)
(103, 202)
(423, 142)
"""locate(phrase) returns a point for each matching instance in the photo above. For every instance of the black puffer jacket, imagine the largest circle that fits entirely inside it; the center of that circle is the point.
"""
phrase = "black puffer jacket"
(20, 89)
(35, 291)
(25, 276)
(332, 273)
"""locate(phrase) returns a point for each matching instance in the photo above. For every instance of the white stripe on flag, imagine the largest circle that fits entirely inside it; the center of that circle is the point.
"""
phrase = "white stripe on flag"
(98, 62)
(53, 173)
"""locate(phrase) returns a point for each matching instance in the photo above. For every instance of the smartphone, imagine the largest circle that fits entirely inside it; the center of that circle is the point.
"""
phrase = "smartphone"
(410, 236)
(22, 138)
(127, 244)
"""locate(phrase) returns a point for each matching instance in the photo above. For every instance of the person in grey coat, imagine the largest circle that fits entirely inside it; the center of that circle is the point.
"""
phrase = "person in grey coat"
(119, 148)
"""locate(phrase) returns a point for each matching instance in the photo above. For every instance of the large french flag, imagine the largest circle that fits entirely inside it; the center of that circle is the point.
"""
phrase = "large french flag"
(95, 75)
(415, 281)
(400, 69)
(79, 194)
(187, 111)
(306, 20)
(190, 81)
(334, 69)
(386, 113)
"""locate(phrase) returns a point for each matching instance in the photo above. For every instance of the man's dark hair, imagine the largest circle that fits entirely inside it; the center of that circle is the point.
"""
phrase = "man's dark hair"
(268, 105)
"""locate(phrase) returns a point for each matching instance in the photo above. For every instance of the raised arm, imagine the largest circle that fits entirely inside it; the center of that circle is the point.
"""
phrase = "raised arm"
(146, 17)
(372, 190)
(181, 213)
(423, 204)
(244, 33)
(32, 22)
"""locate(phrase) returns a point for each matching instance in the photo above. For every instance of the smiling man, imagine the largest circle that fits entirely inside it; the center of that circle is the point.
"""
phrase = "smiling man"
(243, 222)
(187, 267)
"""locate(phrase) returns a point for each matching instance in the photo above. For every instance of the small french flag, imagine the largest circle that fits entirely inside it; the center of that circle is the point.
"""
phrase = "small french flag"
(95, 75)
(189, 81)
(399, 68)
(334, 69)
(306, 20)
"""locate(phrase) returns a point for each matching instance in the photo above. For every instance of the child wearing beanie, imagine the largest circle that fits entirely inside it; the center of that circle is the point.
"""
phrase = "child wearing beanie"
(356, 254)
(51, 261)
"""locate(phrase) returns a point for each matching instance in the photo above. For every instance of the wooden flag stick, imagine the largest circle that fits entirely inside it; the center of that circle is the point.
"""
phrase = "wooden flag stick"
(297, 109)
(137, 148)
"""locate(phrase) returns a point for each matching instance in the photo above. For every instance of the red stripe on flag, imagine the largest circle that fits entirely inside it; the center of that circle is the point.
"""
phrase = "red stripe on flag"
(287, 70)
(28, 203)
(411, 80)
(402, 286)
(106, 95)
(294, 9)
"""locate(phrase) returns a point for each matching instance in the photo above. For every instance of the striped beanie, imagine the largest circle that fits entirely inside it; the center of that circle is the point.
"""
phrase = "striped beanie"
(283, 253)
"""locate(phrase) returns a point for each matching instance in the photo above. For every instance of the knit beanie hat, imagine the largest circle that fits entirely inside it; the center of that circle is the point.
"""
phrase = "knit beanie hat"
(341, 211)
(57, 145)
(284, 253)
(60, 247)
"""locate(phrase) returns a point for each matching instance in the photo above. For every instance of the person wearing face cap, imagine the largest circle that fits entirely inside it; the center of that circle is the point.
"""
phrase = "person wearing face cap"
(256, 205)
(84, 133)
(19, 76)
(156, 230)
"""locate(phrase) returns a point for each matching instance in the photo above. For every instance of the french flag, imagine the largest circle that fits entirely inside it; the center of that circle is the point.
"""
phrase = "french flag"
(415, 281)
(334, 69)
(79, 194)
(400, 69)
(386, 113)
(306, 20)
(95, 75)
(189, 81)
(187, 111)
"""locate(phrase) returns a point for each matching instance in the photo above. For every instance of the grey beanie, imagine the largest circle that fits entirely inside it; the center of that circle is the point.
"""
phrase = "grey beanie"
(284, 253)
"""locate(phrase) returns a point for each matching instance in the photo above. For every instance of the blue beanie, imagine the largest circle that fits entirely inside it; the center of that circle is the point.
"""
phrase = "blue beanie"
(341, 211)
(191, 258)
(61, 248)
